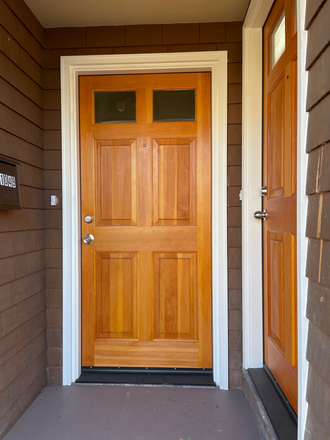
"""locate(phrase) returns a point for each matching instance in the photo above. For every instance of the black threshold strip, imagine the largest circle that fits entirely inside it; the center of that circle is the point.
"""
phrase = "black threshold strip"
(280, 412)
(148, 376)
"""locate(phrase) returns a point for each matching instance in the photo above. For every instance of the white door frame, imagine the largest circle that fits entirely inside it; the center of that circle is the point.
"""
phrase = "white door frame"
(71, 68)
(251, 183)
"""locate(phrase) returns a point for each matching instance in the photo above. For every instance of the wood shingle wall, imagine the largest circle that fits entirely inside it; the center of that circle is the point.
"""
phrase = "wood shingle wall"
(23, 355)
(318, 221)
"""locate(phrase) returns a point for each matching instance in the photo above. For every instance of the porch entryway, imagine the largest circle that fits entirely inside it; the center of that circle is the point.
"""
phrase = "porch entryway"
(104, 412)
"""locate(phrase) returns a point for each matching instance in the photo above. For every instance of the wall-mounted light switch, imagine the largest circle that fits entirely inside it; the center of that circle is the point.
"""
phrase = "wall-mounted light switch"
(53, 200)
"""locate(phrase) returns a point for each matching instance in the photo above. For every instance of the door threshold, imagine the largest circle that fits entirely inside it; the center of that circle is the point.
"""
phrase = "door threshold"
(147, 376)
(280, 412)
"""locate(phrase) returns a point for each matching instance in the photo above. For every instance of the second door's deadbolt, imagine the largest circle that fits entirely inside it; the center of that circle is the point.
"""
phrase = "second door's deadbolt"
(88, 218)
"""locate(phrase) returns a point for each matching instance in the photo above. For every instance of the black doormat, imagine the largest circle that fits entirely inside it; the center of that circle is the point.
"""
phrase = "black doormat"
(147, 376)
(281, 414)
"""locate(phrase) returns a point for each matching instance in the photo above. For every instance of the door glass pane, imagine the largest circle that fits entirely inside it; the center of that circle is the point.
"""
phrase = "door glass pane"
(115, 107)
(277, 41)
(173, 105)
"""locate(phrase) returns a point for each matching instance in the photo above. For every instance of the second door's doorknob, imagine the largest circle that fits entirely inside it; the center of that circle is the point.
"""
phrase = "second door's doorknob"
(88, 239)
(263, 215)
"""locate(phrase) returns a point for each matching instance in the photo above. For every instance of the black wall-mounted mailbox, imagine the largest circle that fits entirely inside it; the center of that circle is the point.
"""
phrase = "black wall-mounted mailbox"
(9, 187)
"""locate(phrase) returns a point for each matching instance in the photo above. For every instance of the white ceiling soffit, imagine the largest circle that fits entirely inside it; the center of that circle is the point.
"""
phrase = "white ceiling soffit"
(75, 13)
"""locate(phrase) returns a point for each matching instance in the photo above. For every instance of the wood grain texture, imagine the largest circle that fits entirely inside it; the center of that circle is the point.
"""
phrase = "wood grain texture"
(146, 279)
(280, 229)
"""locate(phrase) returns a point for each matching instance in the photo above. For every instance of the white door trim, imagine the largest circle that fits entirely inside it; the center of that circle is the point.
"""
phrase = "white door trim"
(251, 183)
(71, 68)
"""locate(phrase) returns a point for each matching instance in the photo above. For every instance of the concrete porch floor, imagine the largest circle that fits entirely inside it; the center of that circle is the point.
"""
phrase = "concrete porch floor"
(119, 412)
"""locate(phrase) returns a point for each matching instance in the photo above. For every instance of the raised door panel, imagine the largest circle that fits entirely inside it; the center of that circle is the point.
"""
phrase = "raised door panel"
(276, 290)
(115, 171)
(174, 182)
(276, 140)
(116, 295)
(175, 299)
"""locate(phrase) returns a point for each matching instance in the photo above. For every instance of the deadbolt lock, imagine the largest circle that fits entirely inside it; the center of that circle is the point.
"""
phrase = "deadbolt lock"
(88, 218)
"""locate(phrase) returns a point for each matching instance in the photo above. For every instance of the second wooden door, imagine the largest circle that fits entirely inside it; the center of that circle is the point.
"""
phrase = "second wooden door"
(146, 192)
(280, 176)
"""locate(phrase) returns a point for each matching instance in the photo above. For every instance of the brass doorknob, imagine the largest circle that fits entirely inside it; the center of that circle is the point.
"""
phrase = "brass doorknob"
(259, 215)
(88, 239)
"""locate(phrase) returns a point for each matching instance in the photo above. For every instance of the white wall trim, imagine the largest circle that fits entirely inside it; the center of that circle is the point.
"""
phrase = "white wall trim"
(251, 183)
(251, 200)
(71, 68)
(302, 203)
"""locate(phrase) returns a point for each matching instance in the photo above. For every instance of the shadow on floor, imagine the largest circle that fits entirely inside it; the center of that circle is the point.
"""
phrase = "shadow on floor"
(106, 412)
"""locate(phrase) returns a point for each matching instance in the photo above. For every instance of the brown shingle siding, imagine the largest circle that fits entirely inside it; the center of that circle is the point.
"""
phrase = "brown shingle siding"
(324, 173)
(65, 38)
(24, 14)
(318, 35)
(318, 190)
(20, 33)
(312, 9)
(312, 183)
(314, 429)
(187, 33)
(18, 79)
(105, 36)
(318, 306)
(318, 347)
(319, 125)
(313, 259)
(324, 278)
(22, 260)
(319, 80)
(318, 397)
(148, 35)
(325, 217)
(212, 32)
(20, 57)
(313, 216)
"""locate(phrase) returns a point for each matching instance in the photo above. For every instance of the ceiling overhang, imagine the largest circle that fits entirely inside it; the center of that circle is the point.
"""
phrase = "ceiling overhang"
(77, 13)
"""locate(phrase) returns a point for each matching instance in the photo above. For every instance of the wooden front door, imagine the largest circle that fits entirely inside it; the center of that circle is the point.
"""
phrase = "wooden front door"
(146, 182)
(279, 176)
